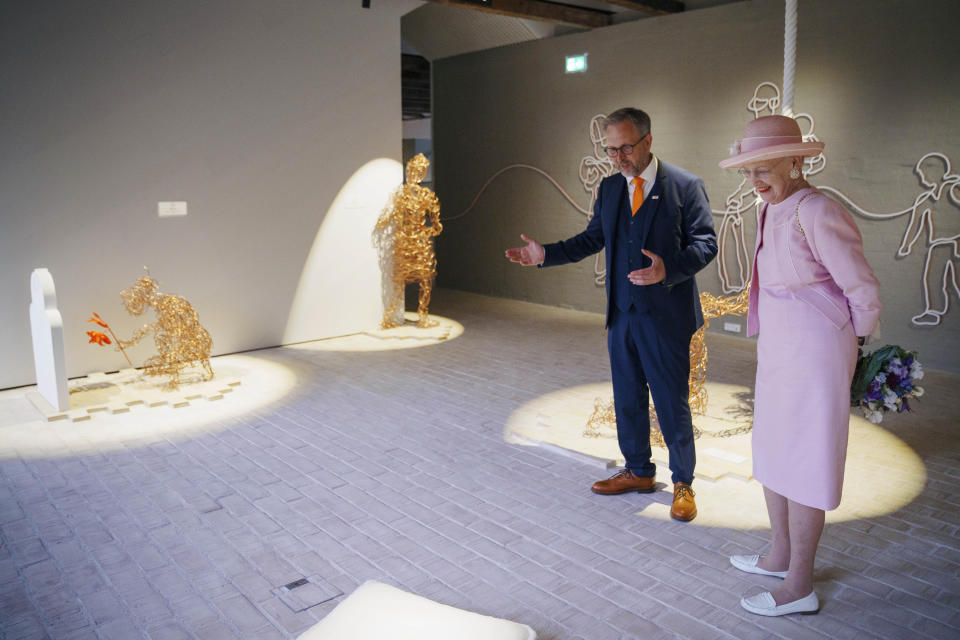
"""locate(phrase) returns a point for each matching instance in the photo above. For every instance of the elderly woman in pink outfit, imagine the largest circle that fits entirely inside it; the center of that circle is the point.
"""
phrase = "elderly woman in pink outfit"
(812, 298)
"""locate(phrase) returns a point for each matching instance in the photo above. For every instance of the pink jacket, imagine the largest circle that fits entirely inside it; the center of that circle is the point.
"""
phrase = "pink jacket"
(826, 269)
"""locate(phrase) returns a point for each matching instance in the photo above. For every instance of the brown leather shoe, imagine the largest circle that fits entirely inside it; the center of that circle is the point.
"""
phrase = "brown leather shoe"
(684, 508)
(623, 482)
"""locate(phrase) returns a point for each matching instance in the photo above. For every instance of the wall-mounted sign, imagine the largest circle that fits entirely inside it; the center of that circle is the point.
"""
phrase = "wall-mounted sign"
(577, 64)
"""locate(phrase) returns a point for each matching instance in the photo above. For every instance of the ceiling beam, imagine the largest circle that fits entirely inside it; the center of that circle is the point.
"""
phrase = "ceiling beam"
(659, 7)
(536, 10)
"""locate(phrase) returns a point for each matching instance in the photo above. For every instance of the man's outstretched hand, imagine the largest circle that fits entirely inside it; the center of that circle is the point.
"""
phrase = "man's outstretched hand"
(529, 255)
(651, 275)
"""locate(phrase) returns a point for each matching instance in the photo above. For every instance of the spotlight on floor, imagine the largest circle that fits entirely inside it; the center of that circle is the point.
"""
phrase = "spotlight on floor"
(727, 494)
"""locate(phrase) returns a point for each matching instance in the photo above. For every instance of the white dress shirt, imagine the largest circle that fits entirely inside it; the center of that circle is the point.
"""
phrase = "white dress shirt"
(649, 176)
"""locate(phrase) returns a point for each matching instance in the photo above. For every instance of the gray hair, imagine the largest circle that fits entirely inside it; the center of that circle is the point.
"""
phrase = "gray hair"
(639, 118)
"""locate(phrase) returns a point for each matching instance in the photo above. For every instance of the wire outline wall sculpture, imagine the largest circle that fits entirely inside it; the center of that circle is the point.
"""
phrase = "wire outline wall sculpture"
(942, 252)
(941, 187)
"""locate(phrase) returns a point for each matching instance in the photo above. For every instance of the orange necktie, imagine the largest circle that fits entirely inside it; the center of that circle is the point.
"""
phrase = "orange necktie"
(637, 194)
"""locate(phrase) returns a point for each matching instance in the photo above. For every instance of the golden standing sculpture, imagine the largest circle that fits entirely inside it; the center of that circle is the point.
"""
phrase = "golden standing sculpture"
(180, 339)
(406, 230)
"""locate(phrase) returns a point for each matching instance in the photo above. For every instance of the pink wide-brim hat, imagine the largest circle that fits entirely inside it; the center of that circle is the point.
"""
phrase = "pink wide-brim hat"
(770, 137)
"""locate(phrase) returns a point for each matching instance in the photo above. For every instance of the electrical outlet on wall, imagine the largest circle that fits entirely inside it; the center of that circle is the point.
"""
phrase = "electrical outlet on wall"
(171, 209)
(732, 327)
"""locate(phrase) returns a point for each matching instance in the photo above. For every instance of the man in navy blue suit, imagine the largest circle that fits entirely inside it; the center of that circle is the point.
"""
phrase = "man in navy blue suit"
(654, 221)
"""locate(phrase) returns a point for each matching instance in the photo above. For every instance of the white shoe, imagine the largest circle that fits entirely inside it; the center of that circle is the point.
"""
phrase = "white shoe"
(763, 604)
(749, 564)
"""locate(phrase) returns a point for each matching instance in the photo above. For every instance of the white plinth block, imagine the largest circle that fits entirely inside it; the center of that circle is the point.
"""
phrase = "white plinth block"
(376, 611)
(47, 328)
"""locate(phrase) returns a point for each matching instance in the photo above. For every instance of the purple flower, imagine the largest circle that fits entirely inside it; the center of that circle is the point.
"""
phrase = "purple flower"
(901, 370)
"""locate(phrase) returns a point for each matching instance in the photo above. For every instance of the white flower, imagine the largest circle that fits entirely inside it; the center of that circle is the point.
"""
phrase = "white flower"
(916, 370)
(894, 362)
(880, 377)
(917, 392)
(873, 416)
(890, 400)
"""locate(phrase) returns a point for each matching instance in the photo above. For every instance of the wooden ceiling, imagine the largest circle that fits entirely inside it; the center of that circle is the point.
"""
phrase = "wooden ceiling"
(583, 15)
(578, 14)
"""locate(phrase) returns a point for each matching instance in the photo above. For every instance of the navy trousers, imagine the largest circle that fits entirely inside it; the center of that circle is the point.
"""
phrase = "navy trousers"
(642, 358)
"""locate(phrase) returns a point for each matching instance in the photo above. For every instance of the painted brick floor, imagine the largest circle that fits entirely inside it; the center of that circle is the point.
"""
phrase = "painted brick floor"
(391, 465)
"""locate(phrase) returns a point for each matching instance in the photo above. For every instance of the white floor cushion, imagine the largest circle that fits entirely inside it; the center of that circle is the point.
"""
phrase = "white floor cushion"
(377, 611)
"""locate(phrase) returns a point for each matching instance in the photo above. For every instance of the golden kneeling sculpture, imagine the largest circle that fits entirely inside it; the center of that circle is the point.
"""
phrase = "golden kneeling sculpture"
(406, 231)
(180, 339)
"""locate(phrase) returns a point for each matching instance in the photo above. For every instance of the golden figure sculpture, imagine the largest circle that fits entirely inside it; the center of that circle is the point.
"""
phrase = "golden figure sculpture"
(406, 230)
(180, 339)
(713, 307)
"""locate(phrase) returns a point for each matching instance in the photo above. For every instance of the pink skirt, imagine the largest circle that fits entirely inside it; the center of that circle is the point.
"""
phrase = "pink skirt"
(802, 400)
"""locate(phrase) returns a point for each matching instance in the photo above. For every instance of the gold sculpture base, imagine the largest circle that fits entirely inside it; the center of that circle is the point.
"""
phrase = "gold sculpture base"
(408, 335)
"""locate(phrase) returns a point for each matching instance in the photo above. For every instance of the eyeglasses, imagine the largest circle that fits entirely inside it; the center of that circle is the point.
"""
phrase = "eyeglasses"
(627, 149)
(759, 174)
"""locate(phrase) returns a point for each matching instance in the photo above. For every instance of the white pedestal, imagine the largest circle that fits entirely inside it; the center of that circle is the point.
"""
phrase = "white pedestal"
(46, 326)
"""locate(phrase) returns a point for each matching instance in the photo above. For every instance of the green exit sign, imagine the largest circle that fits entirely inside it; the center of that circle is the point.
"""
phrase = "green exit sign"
(577, 64)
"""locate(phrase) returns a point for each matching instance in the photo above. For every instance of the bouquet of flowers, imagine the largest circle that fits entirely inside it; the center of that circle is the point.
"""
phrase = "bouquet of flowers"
(884, 381)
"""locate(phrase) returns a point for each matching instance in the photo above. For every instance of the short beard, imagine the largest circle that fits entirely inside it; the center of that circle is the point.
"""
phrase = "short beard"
(638, 168)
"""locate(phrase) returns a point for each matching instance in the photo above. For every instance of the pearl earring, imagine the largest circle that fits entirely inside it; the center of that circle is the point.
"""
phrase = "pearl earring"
(794, 173)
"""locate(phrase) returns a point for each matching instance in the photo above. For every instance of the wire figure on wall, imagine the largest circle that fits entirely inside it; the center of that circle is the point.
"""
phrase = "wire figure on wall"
(593, 169)
(943, 250)
(938, 202)
(935, 208)
(734, 270)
